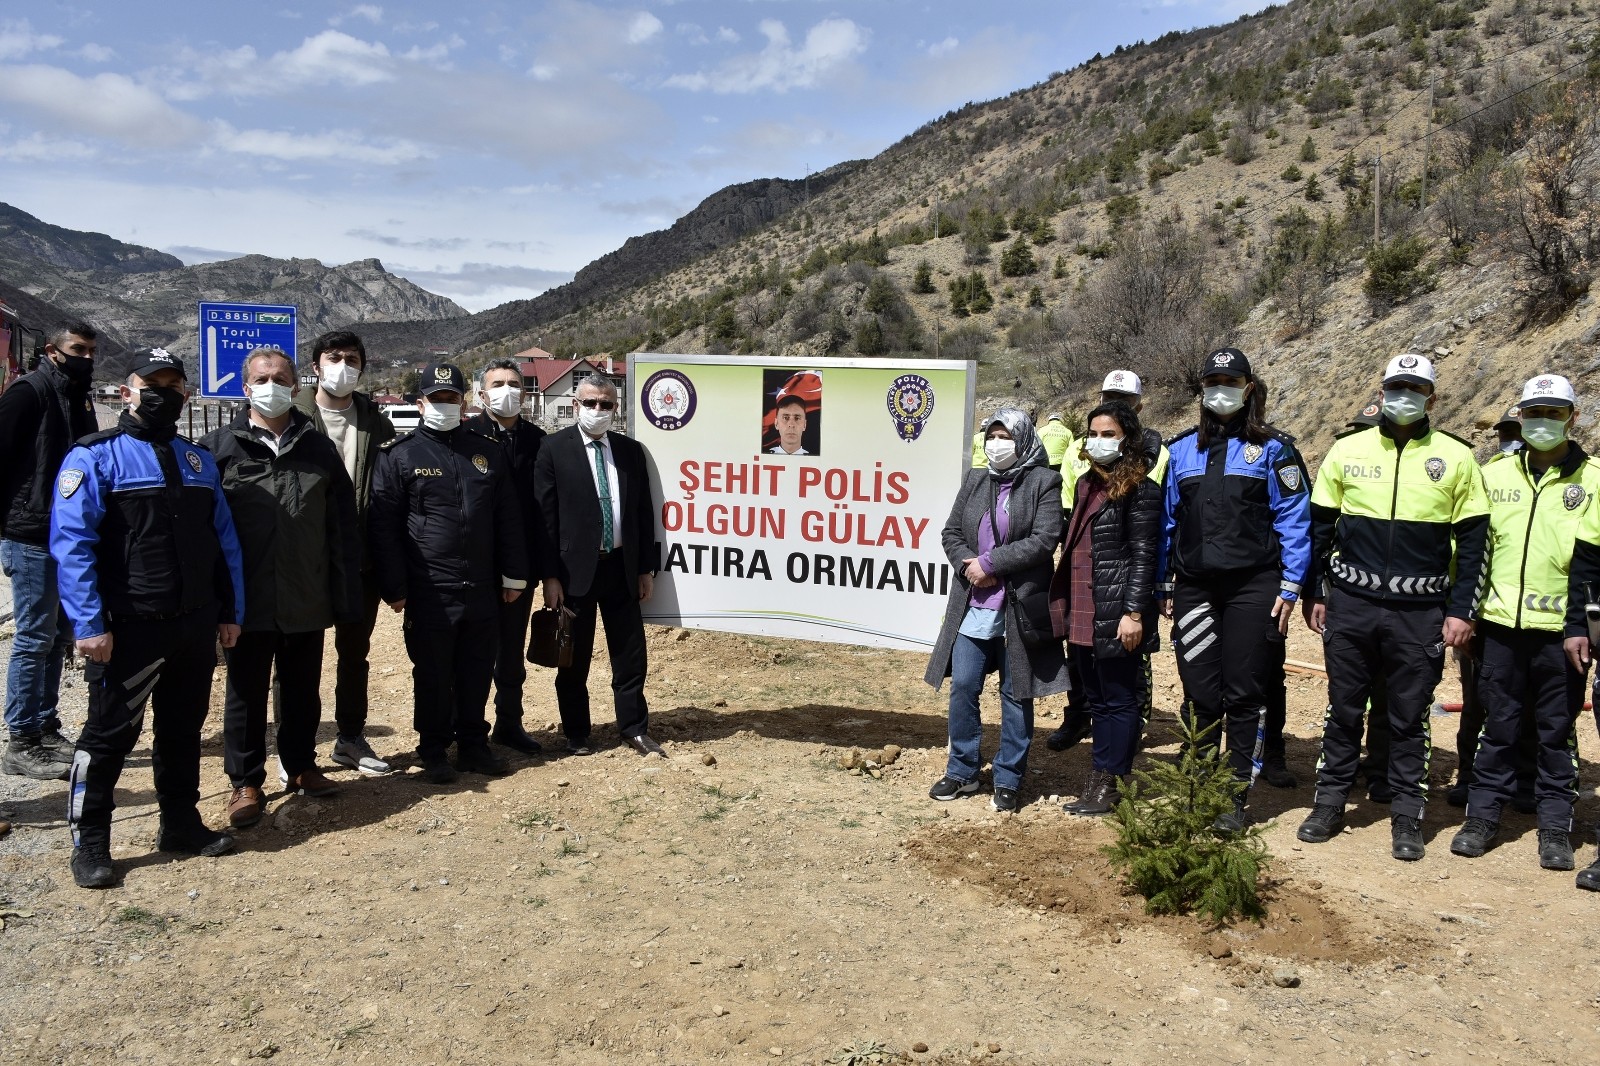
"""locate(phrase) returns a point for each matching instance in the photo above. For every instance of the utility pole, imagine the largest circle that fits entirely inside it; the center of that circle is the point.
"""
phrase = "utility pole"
(1427, 144)
(935, 218)
(1377, 198)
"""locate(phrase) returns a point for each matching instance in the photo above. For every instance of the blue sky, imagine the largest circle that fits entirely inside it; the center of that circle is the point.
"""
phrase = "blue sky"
(487, 150)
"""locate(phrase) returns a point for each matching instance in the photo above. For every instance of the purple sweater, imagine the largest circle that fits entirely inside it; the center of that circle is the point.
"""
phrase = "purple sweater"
(993, 597)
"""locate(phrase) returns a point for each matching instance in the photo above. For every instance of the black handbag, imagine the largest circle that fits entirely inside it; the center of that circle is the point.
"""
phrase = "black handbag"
(550, 638)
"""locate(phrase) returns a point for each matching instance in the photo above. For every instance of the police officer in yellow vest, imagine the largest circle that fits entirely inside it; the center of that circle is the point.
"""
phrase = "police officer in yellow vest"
(1399, 521)
(1538, 499)
(1057, 440)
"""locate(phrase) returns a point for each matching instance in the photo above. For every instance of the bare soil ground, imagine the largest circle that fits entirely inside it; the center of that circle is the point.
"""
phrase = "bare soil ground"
(764, 905)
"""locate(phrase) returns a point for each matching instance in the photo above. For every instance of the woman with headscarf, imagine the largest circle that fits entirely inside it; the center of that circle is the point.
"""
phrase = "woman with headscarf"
(1103, 594)
(1237, 532)
(1000, 538)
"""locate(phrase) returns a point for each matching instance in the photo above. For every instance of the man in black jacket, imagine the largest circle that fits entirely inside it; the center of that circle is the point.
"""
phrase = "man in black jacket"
(41, 414)
(500, 394)
(447, 540)
(599, 518)
(358, 429)
(295, 512)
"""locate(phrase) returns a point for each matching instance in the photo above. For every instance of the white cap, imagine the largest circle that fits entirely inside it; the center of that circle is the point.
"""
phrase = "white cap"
(1548, 389)
(1409, 369)
(1124, 381)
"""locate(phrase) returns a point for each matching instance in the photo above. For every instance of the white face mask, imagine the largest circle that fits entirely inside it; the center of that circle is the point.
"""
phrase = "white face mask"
(441, 417)
(1403, 406)
(1223, 400)
(339, 379)
(505, 400)
(1001, 452)
(593, 421)
(1542, 434)
(1102, 449)
(270, 399)
(1510, 447)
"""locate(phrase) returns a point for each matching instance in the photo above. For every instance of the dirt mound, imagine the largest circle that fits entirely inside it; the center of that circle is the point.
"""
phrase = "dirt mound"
(1058, 866)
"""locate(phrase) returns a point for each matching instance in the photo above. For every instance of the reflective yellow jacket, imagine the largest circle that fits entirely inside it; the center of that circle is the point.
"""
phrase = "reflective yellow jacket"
(1532, 528)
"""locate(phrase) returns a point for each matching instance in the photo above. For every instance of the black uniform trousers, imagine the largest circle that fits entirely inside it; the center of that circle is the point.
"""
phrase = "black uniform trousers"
(1526, 755)
(166, 664)
(510, 666)
(1526, 671)
(617, 600)
(451, 667)
(1401, 644)
(351, 642)
(297, 658)
(1224, 637)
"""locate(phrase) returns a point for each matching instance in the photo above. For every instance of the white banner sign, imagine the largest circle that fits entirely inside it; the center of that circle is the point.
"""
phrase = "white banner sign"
(803, 498)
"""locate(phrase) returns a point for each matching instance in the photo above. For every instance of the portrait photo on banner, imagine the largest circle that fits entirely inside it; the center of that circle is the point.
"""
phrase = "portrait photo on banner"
(791, 412)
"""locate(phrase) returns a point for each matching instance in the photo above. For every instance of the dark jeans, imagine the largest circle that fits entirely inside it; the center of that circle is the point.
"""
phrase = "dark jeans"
(42, 642)
(169, 665)
(617, 600)
(351, 643)
(1401, 643)
(971, 660)
(1525, 671)
(298, 661)
(1227, 646)
(1111, 691)
(451, 667)
(511, 665)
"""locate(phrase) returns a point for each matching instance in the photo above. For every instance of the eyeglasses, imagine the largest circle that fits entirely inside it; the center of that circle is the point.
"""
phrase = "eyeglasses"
(604, 405)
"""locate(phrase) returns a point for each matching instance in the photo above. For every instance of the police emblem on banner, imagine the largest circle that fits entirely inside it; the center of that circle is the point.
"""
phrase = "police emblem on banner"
(1573, 498)
(1289, 476)
(1252, 452)
(481, 463)
(1434, 467)
(194, 461)
(668, 400)
(71, 479)
(910, 405)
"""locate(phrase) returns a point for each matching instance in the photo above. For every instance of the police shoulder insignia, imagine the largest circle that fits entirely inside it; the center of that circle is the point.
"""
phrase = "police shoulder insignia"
(1289, 476)
(72, 477)
(1573, 498)
(1435, 467)
(481, 463)
(194, 461)
(1252, 452)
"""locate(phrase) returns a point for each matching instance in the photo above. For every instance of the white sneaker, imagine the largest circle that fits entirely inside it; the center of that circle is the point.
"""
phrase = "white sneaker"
(357, 754)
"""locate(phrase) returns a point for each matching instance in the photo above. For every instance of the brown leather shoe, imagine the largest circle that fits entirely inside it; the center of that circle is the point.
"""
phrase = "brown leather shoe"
(245, 806)
(312, 782)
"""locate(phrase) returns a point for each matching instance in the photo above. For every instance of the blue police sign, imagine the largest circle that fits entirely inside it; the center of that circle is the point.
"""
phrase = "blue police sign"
(228, 333)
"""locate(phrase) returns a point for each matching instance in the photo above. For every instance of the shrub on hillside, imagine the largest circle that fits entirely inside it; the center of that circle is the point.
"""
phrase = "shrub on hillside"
(1017, 260)
(922, 280)
(970, 295)
(1241, 147)
(1395, 272)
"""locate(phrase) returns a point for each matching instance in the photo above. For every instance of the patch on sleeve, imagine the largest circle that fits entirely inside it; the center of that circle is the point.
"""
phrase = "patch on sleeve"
(194, 461)
(1289, 477)
(69, 481)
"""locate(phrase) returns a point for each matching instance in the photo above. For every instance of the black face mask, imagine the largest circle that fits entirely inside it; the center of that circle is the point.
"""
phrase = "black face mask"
(159, 407)
(79, 369)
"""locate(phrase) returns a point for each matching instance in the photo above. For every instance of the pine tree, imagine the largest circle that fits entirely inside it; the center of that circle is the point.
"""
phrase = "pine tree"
(1017, 260)
(922, 280)
(1308, 150)
(1167, 846)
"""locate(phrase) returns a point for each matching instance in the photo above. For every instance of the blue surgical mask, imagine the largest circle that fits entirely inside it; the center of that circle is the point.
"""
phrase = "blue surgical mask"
(1543, 434)
(1404, 406)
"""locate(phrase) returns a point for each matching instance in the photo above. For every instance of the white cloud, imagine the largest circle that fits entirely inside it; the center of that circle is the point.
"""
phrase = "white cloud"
(334, 146)
(435, 55)
(543, 72)
(940, 49)
(109, 105)
(780, 66)
(373, 13)
(18, 41)
(982, 67)
(643, 27)
(37, 148)
(332, 57)
(727, 36)
(96, 53)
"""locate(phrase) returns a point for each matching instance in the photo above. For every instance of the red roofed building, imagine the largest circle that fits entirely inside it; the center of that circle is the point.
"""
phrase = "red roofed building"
(550, 384)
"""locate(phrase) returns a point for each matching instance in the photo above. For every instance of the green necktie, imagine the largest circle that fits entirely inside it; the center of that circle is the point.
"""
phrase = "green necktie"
(605, 495)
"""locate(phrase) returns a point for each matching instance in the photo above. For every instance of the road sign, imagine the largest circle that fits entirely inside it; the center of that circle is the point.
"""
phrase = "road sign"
(229, 332)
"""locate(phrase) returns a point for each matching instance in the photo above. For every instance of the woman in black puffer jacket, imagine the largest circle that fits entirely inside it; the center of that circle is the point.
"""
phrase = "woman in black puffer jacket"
(1103, 593)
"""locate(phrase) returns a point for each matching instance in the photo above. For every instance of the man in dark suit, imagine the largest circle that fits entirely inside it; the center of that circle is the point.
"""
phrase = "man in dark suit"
(593, 489)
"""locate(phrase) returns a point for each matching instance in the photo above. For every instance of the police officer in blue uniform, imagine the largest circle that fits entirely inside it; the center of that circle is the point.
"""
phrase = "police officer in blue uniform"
(150, 577)
(447, 543)
(1238, 532)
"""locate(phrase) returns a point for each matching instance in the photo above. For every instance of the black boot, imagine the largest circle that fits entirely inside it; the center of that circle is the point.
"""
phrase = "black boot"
(1232, 823)
(1075, 727)
(1275, 770)
(1099, 796)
